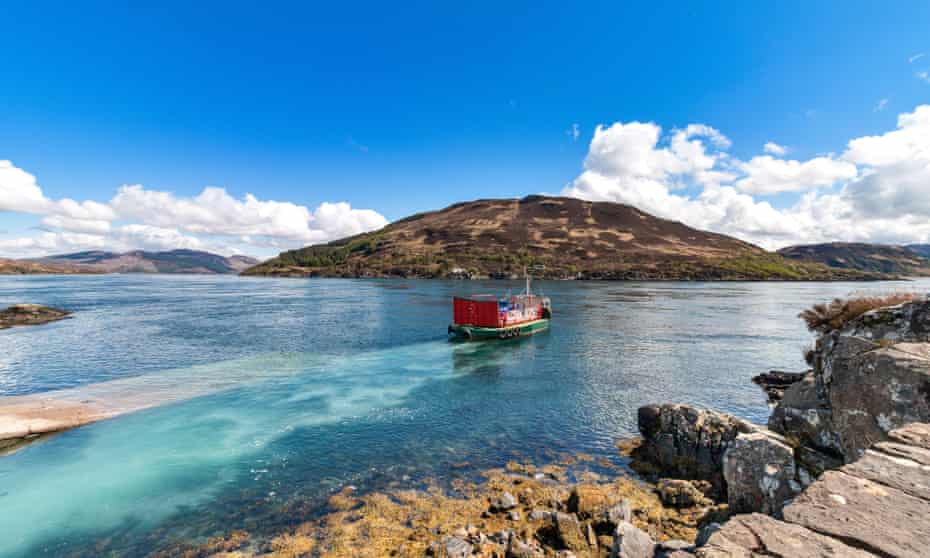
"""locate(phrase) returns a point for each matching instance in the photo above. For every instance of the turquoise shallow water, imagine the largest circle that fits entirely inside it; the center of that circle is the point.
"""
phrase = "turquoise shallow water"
(349, 382)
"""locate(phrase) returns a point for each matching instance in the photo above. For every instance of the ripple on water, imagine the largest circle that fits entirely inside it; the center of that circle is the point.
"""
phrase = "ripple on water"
(278, 392)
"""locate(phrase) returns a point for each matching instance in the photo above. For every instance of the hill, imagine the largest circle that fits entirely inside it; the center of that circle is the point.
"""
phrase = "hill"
(920, 249)
(555, 237)
(28, 267)
(880, 258)
(139, 261)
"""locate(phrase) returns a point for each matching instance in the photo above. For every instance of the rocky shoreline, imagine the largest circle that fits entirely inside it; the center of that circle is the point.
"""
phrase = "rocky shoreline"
(843, 469)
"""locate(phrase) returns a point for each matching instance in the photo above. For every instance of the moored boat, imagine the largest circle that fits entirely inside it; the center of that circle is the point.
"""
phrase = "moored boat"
(490, 317)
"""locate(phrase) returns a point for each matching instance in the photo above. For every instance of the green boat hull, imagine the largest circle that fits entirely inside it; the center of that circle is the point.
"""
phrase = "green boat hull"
(475, 333)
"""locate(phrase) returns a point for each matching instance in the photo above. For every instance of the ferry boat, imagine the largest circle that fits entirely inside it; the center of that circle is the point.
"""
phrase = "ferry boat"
(489, 317)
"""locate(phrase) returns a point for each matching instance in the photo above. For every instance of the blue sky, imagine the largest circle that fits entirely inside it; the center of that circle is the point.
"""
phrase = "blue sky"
(404, 108)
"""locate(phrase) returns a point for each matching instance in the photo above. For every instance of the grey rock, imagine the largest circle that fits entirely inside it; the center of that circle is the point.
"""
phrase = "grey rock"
(760, 472)
(907, 476)
(805, 415)
(864, 514)
(456, 547)
(675, 544)
(878, 391)
(502, 537)
(909, 322)
(540, 515)
(757, 535)
(687, 442)
(619, 513)
(504, 502)
(674, 549)
(630, 542)
(520, 549)
(812, 463)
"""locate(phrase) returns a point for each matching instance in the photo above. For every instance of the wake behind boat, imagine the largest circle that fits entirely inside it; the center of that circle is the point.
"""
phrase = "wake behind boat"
(490, 317)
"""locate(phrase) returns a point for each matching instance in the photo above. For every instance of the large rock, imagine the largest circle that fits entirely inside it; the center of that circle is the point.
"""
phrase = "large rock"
(868, 378)
(877, 391)
(805, 417)
(686, 442)
(630, 542)
(760, 472)
(909, 322)
(864, 514)
(903, 473)
(756, 535)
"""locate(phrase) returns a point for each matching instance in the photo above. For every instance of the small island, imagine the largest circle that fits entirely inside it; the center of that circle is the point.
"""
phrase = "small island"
(30, 314)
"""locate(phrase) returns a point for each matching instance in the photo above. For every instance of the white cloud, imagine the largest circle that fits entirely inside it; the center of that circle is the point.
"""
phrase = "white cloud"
(915, 58)
(923, 76)
(767, 175)
(880, 105)
(140, 218)
(775, 149)
(881, 185)
(19, 191)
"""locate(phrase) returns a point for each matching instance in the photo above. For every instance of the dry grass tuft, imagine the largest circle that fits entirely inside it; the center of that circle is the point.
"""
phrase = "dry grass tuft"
(839, 312)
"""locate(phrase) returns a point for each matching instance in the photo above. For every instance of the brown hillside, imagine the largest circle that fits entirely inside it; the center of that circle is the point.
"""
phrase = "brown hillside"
(880, 258)
(556, 237)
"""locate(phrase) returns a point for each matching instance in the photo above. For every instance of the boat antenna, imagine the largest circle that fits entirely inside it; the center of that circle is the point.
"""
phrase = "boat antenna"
(527, 275)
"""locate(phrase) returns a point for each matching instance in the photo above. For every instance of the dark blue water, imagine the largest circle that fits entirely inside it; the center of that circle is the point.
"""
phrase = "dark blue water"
(350, 381)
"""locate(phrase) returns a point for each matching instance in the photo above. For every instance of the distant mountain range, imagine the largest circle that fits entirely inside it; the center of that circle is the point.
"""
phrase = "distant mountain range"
(880, 258)
(555, 237)
(139, 261)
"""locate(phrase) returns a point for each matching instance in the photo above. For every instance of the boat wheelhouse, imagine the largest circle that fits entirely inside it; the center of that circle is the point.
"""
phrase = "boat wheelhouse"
(491, 317)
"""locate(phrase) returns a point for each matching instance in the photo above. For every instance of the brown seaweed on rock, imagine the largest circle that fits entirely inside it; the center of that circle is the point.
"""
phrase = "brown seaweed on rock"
(520, 505)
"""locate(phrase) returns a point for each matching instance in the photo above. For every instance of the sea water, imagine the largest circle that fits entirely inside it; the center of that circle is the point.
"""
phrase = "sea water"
(271, 394)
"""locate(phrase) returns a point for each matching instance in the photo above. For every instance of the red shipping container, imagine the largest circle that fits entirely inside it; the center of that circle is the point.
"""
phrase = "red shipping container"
(476, 312)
